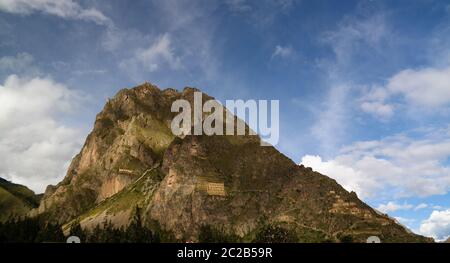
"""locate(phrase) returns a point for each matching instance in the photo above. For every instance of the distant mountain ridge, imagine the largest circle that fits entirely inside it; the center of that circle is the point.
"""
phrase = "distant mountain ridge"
(16, 200)
(231, 183)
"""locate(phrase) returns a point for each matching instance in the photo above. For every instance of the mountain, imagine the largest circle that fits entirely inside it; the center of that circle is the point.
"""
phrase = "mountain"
(15, 200)
(184, 184)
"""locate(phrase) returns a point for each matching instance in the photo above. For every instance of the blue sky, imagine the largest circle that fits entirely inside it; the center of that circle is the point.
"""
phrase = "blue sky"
(364, 86)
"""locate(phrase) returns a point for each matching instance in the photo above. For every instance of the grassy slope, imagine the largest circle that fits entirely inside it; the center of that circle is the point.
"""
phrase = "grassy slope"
(15, 200)
(126, 200)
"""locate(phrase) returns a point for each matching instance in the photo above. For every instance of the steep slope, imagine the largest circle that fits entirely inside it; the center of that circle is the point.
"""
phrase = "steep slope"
(129, 136)
(263, 187)
(231, 183)
(15, 200)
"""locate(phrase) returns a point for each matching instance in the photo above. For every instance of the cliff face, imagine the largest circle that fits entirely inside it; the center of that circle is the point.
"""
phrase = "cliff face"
(130, 135)
(131, 158)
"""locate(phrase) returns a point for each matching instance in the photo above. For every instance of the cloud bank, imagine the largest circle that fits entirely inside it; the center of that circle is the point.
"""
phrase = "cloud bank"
(395, 167)
(437, 225)
(35, 147)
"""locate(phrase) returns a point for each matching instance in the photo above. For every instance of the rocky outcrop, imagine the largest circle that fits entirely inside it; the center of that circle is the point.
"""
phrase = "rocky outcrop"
(131, 158)
(129, 136)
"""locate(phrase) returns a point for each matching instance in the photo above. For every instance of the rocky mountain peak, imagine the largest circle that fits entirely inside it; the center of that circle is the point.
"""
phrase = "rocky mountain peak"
(232, 183)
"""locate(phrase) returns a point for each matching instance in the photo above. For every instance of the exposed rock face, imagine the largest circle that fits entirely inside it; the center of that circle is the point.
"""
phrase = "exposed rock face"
(230, 182)
(15, 200)
(129, 136)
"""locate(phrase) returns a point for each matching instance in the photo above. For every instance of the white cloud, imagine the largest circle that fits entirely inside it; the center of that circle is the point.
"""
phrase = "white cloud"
(192, 30)
(245, 6)
(404, 221)
(417, 90)
(35, 147)
(90, 72)
(159, 53)
(374, 102)
(394, 167)
(68, 9)
(437, 225)
(189, 31)
(18, 63)
(21, 63)
(239, 6)
(346, 176)
(393, 206)
(115, 39)
(379, 109)
(420, 206)
(332, 118)
(427, 88)
(260, 13)
(353, 35)
(282, 52)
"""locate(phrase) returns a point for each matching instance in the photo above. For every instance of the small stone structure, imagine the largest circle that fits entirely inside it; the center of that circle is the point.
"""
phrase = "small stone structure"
(215, 189)
(125, 171)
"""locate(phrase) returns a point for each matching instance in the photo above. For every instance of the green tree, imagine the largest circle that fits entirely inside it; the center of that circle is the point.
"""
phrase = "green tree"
(208, 234)
(76, 230)
(346, 239)
(275, 234)
(137, 232)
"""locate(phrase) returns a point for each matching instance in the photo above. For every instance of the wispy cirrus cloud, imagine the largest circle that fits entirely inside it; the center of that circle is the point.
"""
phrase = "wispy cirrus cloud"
(421, 206)
(183, 42)
(356, 35)
(330, 126)
(393, 206)
(20, 63)
(67, 9)
(353, 37)
(151, 58)
(282, 52)
(260, 13)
